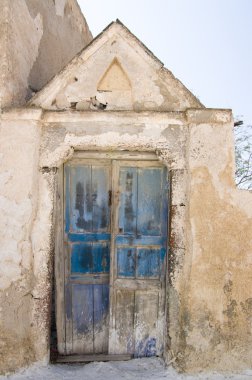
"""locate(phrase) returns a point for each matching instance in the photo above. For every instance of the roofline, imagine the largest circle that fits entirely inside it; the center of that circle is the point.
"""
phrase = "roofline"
(118, 22)
(148, 51)
(189, 115)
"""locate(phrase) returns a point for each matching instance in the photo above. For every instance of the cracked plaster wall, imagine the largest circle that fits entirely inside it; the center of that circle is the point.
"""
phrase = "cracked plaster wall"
(208, 292)
(18, 204)
(26, 272)
(218, 308)
(37, 39)
(209, 312)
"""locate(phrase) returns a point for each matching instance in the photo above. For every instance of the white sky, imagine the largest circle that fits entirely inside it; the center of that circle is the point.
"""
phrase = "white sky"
(207, 44)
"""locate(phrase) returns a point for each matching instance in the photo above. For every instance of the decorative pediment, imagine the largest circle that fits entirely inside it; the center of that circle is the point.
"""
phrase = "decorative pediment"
(114, 79)
(115, 72)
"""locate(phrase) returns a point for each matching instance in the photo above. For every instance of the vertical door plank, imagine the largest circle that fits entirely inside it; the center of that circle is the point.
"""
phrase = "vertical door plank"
(87, 215)
(101, 307)
(128, 200)
(124, 342)
(126, 262)
(146, 315)
(67, 200)
(81, 199)
(100, 198)
(68, 301)
(82, 260)
(148, 263)
(59, 266)
(149, 201)
(101, 257)
(82, 315)
(140, 247)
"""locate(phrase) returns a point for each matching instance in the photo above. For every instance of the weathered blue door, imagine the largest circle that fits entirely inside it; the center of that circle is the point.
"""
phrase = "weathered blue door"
(140, 245)
(115, 238)
(87, 237)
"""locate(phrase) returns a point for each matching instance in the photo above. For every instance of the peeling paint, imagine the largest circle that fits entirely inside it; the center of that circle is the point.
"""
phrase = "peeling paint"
(208, 286)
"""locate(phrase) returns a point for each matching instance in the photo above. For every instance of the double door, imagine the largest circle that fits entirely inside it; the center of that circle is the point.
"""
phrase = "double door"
(111, 285)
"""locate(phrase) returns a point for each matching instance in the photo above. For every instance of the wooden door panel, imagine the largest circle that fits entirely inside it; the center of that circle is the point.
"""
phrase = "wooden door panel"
(139, 262)
(146, 316)
(80, 213)
(114, 270)
(136, 323)
(90, 304)
(87, 234)
(100, 199)
(101, 315)
(128, 200)
(148, 201)
(87, 198)
(126, 262)
(124, 316)
(82, 319)
(90, 258)
(140, 255)
(148, 263)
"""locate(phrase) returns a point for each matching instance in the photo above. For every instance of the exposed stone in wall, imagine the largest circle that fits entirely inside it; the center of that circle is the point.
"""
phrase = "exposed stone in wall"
(37, 39)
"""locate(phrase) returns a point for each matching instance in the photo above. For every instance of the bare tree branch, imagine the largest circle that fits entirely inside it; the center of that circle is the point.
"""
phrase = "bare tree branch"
(243, 155)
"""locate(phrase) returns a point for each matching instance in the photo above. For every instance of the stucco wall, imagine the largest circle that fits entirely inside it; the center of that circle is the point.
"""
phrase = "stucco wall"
(18, 203)
(209, 272)
(218, 304)
(209, 275)
(37, 39)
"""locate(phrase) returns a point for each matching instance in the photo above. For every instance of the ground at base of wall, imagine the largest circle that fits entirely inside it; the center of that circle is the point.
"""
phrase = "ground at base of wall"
(137, 369)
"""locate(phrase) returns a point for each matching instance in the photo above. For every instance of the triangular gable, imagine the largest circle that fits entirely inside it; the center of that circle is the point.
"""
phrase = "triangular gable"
(115, 72)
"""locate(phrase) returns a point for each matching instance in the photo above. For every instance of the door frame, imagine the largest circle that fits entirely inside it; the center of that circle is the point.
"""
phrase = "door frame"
(60, 248)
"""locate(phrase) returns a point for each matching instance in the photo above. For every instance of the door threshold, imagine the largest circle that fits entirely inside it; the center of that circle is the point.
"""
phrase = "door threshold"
(92, 358)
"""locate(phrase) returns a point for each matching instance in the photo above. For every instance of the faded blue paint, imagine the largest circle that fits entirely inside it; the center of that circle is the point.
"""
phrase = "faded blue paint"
(164, 208)
(128, 200)
(87, 208)
(148, 263)
(68, 300)
(89, 307)
(145, 240)
(82, 308)
(162, 254)
(100, 199)
(149, 195)
(140, 245)
(82, 258)
(67, 199)
(144, 197)
(140, 206)
(91, 237)
(138, 263)
(126, 262)
(81, 199)
(87, 227)
(90, 258)
(141, 251)
(101, 303)
(146, 348)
